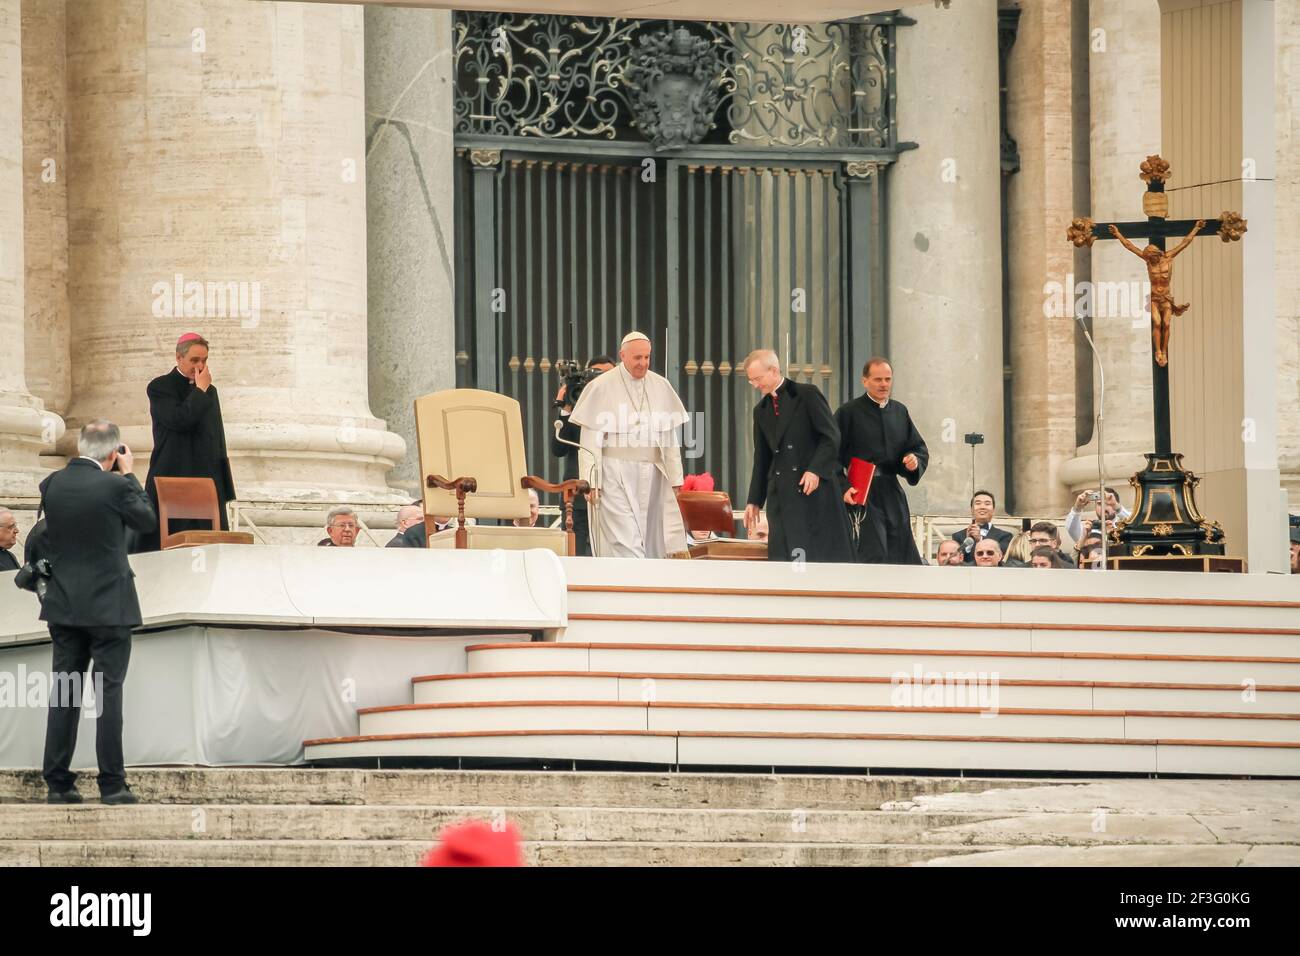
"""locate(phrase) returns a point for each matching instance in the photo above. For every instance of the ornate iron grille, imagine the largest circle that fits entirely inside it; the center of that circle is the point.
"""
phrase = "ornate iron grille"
(719, 186)
(821, 86)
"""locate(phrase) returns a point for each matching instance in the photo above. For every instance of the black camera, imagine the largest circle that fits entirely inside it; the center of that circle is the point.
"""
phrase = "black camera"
(35, 577)
(575, 380)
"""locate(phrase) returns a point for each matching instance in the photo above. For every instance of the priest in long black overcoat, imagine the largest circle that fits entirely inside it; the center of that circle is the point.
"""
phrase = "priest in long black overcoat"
(189, 439)
(877, 429)
(796, 472)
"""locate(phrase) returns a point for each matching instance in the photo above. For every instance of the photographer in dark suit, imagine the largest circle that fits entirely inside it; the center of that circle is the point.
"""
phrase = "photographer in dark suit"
(561, 448)
(90, 602)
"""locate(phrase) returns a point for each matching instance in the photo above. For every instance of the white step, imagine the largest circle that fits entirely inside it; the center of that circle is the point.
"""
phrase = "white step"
(766, 689)
(848, 662)
(946, 634)
(791, 719)
(688, 749)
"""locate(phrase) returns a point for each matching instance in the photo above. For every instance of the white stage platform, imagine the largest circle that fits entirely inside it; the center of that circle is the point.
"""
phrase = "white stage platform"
(378, 657)
(247, 651)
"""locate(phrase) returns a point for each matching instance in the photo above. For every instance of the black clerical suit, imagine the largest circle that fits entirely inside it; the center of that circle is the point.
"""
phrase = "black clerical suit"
(90, 606)
(794, 432)
(7, 561)
(581, 526)
(1003, 538)
(884, 437)
(189, 441)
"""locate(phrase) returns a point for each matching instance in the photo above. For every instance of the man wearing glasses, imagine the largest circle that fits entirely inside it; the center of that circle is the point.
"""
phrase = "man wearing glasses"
(8, 538)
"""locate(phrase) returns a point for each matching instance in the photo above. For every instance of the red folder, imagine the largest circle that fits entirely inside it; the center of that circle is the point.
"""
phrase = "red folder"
(860, 473)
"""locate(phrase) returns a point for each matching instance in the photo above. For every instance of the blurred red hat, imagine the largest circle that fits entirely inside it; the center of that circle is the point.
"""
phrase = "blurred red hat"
(476, 843)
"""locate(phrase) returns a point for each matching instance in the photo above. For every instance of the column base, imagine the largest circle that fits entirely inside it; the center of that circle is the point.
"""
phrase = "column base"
(26, 430)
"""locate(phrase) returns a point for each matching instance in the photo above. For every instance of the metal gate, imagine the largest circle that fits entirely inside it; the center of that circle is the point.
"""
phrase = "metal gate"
(766, 237)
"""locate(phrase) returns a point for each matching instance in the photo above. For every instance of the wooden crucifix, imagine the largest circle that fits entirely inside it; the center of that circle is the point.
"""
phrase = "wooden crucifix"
(1160, 266)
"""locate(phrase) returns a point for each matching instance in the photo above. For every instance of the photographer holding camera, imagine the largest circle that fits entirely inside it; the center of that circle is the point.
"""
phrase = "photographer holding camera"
(90, 602)
(575, 380)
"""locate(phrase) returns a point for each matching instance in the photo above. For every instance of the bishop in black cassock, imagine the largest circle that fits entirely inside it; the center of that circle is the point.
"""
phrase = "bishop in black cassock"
(189, 439)
(795, 435)
(879, 430)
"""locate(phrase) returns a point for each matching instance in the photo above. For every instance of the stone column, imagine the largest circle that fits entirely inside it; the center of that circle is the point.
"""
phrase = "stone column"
(1287, 27)
(1124, 75)
(1223, 361)
(1039, 200)
(45, 203)
(945, 291)
(218, 151)
(24, 425)
(409, 216)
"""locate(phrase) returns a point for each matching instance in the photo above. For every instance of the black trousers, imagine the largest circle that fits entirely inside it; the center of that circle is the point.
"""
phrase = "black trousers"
(581, 531)
(74, 647)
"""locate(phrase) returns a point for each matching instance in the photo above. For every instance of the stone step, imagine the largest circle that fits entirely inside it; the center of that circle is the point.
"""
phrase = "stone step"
(39, 823)
(509, 788)
(862, 691)
(953, 633)
(566, 824)
(879, 662)
(350, 853)
(854, 752)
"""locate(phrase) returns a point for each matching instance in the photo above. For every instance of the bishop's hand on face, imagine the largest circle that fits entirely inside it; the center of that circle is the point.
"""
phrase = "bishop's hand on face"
(203, 378)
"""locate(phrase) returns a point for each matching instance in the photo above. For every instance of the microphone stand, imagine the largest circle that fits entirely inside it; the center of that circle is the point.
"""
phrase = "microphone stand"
(1101, 468)
(593, 522)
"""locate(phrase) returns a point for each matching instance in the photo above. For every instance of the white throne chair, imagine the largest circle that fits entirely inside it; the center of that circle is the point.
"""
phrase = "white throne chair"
(473, 465)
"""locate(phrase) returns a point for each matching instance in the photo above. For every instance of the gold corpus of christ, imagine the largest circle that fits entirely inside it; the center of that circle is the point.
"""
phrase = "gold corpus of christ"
(1160, 264)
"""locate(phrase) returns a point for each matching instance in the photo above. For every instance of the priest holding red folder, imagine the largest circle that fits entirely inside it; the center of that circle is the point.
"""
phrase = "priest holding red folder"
(878, 444)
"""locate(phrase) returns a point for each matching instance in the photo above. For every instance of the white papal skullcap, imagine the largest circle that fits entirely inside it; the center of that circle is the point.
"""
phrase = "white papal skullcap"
(634, 337)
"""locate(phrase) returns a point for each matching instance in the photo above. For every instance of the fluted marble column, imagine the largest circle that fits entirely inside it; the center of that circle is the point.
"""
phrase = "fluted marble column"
(24, 424)
(1287, 262)
(945, 293)
(218, 185)
(45, 202)
(1124, 75)
(1039, 201)
(410, 216)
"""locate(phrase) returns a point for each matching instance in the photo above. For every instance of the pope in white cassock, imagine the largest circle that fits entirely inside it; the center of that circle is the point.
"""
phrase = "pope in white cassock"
(632, 457)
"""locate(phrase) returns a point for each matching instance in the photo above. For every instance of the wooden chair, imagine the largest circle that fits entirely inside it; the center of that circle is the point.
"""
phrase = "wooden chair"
(707, 511)
(711, 511)
(478, 436)
(192, 499)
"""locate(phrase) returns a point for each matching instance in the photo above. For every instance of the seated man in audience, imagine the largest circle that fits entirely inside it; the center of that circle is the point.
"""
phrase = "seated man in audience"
(408, 516)
(988, 554)
(1047, 557)
(341, 525)
(1090, 553)
(416, 536)
(760, 528)
(949, 554)
(534, 503)
(982, 506)
(1045, 534)
(1074, 521)
(8, 538)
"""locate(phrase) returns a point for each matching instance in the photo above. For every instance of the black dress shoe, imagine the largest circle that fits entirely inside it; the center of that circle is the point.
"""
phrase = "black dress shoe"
(63, 796)
(119, 798)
